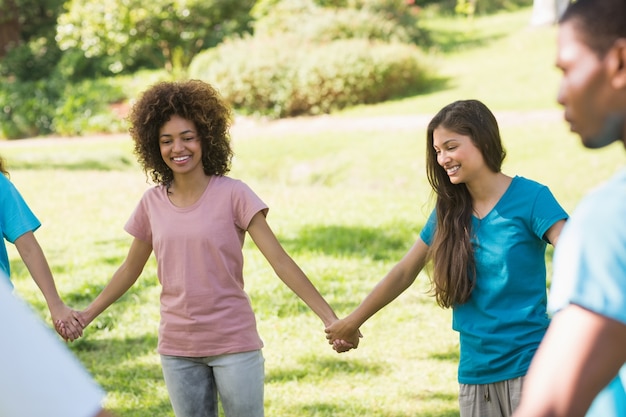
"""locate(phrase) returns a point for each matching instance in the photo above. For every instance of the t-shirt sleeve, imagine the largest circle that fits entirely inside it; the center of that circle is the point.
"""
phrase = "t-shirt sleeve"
(246, 204)
(138, 225)
(30, 388)
(428, 231)
(546, 212)
(16, 218)
(590, 260)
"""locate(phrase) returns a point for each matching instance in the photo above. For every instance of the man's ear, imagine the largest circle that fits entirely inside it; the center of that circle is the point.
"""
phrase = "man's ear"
(618, 64)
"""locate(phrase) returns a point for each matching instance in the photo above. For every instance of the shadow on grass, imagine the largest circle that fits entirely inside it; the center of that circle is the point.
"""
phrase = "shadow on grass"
(116, 363)
(323, 409)
(460, 37)
(384, 243)
(154, 410)
(322, 367)
(451, 355)
(102, 161)
(139, 345)
(437, 396)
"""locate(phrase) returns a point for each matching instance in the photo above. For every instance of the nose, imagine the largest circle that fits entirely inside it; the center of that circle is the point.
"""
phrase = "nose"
(561, 94)
(178, 145)
(442, 157)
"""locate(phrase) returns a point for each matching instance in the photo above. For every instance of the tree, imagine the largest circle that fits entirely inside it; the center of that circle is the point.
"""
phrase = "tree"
(9, 26)
(163, 33)
(27, 46)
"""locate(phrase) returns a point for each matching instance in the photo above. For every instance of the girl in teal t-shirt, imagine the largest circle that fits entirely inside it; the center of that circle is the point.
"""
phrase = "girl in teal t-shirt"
(18, 224)
(486, 239)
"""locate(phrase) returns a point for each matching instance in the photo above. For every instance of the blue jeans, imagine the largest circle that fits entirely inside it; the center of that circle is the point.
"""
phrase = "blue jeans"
(194, 384)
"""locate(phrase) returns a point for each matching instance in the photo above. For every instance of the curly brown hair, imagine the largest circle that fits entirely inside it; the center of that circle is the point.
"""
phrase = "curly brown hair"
(193, 100)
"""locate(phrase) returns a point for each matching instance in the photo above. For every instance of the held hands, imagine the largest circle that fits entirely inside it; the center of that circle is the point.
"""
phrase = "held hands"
(342, 336)
(71, 328)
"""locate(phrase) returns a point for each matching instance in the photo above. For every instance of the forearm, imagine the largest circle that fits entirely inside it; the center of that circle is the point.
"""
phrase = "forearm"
(579, 355)
(121, 282)
(387, 290)
(35, 260)
(291, 274)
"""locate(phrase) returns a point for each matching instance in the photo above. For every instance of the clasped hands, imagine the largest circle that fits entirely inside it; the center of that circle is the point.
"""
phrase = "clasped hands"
(69, 325)
(342, 336)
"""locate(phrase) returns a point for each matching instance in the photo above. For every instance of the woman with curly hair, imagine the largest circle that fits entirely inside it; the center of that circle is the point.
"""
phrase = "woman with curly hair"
(486, 239)
(195, 220)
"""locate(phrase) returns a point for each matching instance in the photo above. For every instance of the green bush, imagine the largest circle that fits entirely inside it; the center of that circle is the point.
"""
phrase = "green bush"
(38, 108)
(483, 7)
(26, 108)
(286, 77)
(84, 108)
(386, 20)
(30, 61)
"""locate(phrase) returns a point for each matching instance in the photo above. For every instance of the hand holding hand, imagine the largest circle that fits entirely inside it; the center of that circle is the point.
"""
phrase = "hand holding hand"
(71, 328)
(342, 336)
(64, 327)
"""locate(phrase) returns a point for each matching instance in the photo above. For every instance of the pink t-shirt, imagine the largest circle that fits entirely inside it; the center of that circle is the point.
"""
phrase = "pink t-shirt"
(204, 309)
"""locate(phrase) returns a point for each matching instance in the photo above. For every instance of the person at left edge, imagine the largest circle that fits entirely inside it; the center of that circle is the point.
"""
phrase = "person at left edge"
(39, 376)
(18, 225)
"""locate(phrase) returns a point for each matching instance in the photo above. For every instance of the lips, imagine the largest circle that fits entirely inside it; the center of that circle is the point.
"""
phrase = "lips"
(180, 159)
(452, 170)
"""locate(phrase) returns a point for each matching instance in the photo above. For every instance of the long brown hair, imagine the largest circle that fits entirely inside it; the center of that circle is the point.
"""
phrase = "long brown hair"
(454, 266)
(3, 169)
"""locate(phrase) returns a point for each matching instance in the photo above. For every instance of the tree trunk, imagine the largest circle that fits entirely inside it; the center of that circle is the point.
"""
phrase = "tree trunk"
(9, 26)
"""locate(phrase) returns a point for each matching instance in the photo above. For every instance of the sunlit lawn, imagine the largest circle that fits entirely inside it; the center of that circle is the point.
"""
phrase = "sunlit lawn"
(346, 206)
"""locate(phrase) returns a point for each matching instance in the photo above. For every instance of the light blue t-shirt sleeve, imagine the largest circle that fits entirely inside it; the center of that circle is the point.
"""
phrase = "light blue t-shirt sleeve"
(590, 260)
(590, 271)
(39, 376)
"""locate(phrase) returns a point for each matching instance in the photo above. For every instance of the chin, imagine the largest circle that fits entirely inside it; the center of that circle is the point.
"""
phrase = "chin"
(612, 130)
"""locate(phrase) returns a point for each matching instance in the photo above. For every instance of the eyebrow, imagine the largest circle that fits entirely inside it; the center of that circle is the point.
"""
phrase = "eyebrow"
(184, 132)
(447, 141)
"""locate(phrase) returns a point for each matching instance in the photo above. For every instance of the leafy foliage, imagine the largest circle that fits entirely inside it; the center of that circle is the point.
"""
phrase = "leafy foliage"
(26, 108)
(36, 53)
(388, 20)
(37, 108)
(165, 32)
(285, 77)
(308, 59)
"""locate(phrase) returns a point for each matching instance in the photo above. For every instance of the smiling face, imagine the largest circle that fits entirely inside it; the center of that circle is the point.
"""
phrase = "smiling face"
(181, 148)
(585, 90)
(458, 156)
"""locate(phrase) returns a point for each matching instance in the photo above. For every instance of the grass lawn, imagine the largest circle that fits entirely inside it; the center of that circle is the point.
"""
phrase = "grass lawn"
(346, 205)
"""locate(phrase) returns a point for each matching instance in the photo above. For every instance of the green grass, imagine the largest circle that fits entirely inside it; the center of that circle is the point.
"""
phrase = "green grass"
(346, 205)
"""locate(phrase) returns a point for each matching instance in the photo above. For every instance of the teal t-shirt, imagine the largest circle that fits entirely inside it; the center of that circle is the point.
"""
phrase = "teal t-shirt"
(501, 325)
(590, 271)
(16, 218)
